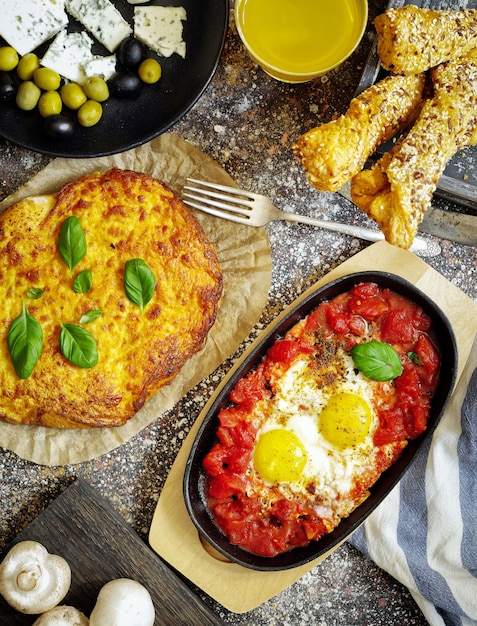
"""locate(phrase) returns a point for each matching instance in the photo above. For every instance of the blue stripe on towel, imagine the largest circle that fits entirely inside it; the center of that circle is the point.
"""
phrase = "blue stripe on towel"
(413, 522)
(412, 537)
(358, 540)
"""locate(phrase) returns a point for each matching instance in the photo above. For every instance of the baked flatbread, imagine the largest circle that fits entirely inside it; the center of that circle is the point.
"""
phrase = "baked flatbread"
(124, 216)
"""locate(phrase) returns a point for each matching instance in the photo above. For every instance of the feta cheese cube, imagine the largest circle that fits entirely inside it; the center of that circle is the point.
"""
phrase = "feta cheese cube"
(102, 20)
(160, 28)
(27, 24)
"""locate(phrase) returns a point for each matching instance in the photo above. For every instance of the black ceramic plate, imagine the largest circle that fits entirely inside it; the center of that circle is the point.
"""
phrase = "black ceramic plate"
(130, 123)
(194, 478)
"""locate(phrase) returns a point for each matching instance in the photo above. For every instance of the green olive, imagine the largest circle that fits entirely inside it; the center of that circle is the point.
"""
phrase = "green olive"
(73, 95)
(27, 66)
(50, 103)
(90, 113)
(28, 95)
(150, 71)
(47, 79)
(8, 58)
(96, 88)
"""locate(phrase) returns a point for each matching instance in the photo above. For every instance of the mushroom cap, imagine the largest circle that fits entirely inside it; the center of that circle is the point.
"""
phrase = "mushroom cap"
(123, 602)
(32, 580)
(62, 616)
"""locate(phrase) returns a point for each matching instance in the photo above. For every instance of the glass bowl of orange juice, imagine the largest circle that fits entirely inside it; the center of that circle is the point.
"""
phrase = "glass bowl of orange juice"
(298, 40)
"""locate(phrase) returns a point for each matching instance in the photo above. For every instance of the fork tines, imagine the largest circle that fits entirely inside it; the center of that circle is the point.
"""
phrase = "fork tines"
(205, 196)
(235, 191)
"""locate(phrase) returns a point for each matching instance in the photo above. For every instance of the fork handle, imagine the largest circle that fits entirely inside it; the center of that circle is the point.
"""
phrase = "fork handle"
(418, 245)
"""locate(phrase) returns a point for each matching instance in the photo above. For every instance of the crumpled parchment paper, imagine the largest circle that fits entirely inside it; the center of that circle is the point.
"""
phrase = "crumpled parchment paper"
(244, 255)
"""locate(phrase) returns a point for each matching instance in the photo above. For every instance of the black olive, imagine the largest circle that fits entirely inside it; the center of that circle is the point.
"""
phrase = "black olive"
(58, 126)
(125, 84)
(130, 53)
(8, 87)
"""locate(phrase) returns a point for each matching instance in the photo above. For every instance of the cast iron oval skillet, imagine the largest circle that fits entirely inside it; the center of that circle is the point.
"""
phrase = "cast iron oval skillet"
(129, 123)
(194, 478)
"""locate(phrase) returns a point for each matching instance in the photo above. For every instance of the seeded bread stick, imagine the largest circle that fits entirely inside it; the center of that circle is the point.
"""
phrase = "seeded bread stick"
(412, 40)
(333, 153)
(398, 189)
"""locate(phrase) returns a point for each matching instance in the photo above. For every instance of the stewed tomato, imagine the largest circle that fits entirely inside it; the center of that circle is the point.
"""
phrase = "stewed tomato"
(268, 519)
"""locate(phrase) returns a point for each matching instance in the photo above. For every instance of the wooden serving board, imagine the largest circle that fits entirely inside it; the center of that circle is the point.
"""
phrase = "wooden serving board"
(84, 529)
(173, 535)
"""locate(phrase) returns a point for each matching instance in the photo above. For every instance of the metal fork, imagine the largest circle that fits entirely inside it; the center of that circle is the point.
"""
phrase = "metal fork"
(254, 209)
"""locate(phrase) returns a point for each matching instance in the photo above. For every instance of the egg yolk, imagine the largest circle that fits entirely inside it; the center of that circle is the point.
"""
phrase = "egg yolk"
(345, 421)
(279, 456)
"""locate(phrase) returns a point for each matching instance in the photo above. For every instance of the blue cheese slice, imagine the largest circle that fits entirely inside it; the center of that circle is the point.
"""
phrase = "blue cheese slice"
(70, 55)
(160, 28)
(100, 66)
(102, 19)
(67, 55)
(27, 24)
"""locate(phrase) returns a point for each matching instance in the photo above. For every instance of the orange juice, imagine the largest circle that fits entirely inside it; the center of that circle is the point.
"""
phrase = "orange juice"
(296, 40)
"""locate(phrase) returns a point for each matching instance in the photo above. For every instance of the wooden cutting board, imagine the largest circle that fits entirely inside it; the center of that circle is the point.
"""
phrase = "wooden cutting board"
(84, 529)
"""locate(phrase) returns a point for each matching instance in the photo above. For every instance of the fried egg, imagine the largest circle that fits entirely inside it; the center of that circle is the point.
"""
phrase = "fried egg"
(316, 437)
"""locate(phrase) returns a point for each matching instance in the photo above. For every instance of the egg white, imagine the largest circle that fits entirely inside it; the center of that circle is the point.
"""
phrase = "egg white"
(300, 395)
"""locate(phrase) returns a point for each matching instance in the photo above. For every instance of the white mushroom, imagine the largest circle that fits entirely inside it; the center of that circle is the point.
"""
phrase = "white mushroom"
(62, 616)
(123, 602)
(32, 580)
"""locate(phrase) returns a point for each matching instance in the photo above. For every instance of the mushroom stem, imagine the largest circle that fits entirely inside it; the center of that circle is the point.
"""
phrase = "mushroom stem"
(28, 578)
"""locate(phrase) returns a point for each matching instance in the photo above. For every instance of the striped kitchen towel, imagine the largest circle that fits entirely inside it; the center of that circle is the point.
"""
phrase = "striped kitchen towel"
(425, 532)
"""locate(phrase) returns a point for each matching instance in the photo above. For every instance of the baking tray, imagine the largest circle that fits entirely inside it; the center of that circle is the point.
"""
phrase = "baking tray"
(452, 186)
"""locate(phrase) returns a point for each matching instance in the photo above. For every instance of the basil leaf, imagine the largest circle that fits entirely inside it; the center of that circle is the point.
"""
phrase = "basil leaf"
(34, 293)
(25, 343)
(78, 345)
(377, 360)
(90, 316)
(72, 242)
(415, 358)
(83, 282)
(139, 282)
